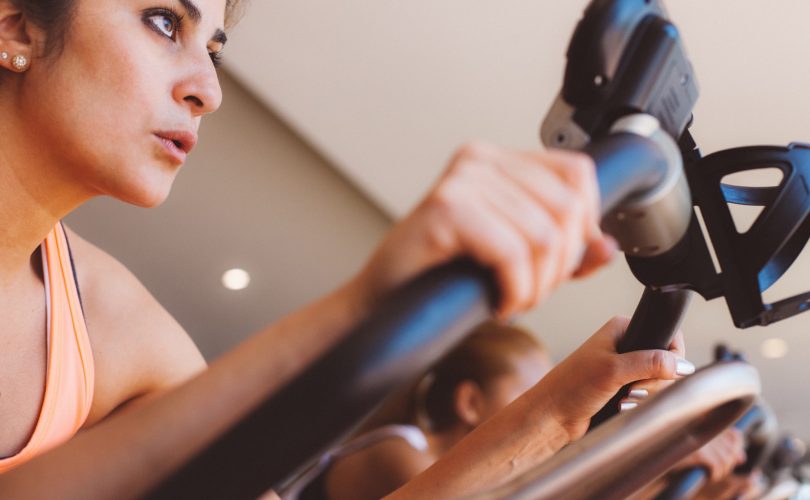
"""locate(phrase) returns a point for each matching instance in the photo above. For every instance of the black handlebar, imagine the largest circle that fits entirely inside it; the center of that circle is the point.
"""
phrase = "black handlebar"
(653, 326)
(623, 157)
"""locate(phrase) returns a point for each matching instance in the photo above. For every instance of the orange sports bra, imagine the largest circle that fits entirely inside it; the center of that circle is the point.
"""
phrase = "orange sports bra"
(70, 376)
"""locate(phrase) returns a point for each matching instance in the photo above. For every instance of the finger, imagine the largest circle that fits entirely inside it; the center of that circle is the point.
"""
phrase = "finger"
(533, 221)
(637, 393)
(654, 364)
(738, 446)
(598, 252)
(715, 456)
(549, 177)
(627, 404)
(579, 171)
(714, 464)
(729, 447)
(567, 206)
(641, 390)
(651, 386)
(490, 240)
(563, 196)
(678, 344)
(613, 330)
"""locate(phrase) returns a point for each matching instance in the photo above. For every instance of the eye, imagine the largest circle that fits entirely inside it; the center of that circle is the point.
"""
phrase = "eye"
(216, 58)
(163, 22)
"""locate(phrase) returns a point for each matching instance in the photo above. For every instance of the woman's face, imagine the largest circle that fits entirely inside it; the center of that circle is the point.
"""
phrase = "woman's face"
(118, 108)
(528, 368)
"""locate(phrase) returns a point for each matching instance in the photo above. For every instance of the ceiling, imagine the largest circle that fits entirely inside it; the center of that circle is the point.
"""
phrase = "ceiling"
(386, 89)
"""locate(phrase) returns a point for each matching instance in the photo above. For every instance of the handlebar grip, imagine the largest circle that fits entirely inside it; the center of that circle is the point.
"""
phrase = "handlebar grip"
(653, 325)
(621, 157)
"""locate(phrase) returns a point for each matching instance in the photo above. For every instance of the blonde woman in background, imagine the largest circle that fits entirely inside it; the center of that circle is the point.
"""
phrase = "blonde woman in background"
(488, 370)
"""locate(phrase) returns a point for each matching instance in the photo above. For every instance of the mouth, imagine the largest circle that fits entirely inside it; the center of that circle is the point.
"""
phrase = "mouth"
(184, 141)
(177, 143)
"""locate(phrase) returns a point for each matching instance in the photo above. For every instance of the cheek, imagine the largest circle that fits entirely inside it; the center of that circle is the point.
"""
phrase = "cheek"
(95, 108)
(82, 123)
(503, 391)
(111, 88)
(108, 69)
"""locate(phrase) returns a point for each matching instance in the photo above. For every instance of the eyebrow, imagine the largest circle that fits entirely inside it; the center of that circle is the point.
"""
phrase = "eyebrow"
(195, 15)
(192, 9)
(220, 37)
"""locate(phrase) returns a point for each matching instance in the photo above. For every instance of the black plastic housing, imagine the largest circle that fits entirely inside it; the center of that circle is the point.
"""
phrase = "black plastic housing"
(626, 57)
(754, 260)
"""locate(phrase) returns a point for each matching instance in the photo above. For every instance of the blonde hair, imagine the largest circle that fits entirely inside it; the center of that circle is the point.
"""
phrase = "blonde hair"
(234, 10)
(488, 352)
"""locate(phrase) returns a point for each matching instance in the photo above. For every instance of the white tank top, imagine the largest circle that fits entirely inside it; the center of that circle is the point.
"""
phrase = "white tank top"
(410, 433)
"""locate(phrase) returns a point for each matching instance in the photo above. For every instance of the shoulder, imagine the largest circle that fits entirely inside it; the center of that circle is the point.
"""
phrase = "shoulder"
(376, 470)
(138, 348)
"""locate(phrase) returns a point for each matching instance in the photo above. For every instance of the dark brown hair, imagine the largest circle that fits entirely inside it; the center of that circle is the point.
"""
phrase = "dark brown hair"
(54, 17)
(488, 352)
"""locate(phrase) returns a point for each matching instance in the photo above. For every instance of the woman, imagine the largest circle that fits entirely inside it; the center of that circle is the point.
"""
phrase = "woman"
(104, 97)
(489, 369)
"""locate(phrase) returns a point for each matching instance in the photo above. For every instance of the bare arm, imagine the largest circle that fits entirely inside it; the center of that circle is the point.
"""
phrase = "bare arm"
(550, 415)
(124, 454)
(522, 435)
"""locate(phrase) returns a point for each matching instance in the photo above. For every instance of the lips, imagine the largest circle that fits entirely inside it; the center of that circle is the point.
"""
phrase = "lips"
(181, 140)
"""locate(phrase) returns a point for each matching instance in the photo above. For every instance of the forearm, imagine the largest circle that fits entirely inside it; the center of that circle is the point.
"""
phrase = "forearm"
(127, 454)
(519, 437)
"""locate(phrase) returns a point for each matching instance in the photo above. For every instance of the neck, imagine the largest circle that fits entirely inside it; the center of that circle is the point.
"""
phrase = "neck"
(34, 195)
(441, 442)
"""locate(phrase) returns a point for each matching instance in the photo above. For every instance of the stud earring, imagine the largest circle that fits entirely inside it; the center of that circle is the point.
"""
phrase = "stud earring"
(4, 56)
(20, 62)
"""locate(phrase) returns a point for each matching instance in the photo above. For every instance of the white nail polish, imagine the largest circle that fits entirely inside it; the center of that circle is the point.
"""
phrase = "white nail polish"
(627, 405)
(638, 393)
(684, 367)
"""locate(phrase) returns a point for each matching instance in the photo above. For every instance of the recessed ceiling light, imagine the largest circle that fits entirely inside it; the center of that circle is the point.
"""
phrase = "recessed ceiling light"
(774, 348)
(235, 279)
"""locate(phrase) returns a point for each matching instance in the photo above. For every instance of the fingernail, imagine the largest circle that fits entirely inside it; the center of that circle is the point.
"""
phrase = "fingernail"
(684, 367)
(627, 405)
(638, 393)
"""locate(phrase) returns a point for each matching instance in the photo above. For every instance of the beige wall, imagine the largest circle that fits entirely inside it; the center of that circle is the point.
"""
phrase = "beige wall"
(254, 196)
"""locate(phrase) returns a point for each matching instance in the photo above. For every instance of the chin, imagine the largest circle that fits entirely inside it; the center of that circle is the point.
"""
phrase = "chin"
(153, 197)
(144, 192)
(152, 201)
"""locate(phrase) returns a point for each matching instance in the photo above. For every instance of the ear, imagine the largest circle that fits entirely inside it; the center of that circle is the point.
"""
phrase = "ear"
(469, 403)
(16, 38)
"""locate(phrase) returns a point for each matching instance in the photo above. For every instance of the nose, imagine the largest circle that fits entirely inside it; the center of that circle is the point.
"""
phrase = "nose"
(199, 89)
